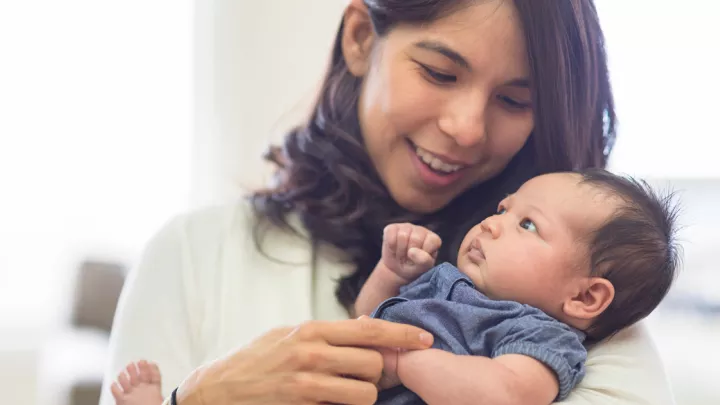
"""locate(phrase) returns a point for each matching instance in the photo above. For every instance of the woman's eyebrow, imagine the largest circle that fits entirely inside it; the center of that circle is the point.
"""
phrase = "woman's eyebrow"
(522, 82)
(446, 51)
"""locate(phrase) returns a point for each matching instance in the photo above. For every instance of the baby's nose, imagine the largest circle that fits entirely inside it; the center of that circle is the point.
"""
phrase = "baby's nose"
(491, 225)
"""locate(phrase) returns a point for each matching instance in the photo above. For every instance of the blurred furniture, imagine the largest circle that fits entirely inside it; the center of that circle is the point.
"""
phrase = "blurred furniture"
(72, 363)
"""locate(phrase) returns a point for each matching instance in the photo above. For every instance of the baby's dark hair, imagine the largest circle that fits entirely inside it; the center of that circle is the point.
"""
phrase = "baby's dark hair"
(635, 249)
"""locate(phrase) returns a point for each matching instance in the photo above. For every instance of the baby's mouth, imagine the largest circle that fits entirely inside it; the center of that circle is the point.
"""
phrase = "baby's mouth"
(475, 252)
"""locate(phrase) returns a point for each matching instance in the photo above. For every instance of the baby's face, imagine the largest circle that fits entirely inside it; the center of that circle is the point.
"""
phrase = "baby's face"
(534, 250)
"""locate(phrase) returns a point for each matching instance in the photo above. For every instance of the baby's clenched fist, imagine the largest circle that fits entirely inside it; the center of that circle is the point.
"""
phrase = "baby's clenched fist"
(409, 250)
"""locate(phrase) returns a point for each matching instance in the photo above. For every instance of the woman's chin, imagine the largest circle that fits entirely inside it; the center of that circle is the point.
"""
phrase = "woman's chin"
(421, 203)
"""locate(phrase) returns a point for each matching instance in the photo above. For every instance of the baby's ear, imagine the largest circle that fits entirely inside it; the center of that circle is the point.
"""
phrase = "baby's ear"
(593, 298)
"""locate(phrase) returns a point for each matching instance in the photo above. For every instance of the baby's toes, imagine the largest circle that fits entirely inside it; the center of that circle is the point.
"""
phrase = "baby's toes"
(124, 382)
(145, 372)
(155, 377)
(133, 374)
(117, 391)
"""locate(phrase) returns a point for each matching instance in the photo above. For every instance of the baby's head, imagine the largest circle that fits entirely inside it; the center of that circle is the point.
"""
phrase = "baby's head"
(592, 249)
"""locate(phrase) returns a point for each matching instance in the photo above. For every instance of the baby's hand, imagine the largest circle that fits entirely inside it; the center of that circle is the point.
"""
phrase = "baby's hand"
(409, 250)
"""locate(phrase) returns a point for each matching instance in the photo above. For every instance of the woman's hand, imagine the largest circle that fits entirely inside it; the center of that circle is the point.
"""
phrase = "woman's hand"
(315, 363)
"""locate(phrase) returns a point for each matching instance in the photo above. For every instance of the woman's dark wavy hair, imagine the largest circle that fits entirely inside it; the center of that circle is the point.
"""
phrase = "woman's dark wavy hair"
(325, 175)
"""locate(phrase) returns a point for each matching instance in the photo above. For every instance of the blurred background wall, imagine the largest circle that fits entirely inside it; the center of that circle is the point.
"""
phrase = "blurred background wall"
(115, 115)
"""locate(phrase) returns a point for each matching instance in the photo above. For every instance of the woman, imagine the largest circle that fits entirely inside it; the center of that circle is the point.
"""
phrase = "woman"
(431, 111)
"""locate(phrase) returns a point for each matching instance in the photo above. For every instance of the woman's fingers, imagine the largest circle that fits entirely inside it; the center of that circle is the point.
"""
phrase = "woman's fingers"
(365, 332)
(318, 362)
(321, 388)
(362, 364)
(277, 334)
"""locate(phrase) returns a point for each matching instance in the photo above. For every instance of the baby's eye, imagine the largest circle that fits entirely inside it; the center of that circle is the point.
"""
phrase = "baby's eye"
(529, 225)
(501, 211)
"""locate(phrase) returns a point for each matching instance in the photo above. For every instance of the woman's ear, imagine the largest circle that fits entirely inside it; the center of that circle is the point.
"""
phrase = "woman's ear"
(591, 300)
(357, 38)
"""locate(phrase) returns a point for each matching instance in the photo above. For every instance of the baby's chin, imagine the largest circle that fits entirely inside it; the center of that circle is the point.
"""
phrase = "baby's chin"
(473, 270)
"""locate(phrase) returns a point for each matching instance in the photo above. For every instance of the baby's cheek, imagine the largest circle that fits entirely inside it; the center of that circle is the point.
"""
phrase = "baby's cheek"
(515, 275)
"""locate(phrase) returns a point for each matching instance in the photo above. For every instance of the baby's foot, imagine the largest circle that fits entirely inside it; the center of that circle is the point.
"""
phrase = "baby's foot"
(138, 384)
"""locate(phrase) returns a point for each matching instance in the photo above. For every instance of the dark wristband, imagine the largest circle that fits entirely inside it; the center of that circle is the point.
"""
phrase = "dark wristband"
(173, 399)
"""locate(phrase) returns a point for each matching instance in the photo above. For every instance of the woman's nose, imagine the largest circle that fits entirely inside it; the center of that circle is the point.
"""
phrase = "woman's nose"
(465, 121)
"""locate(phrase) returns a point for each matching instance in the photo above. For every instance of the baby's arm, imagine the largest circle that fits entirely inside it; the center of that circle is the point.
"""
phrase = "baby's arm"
(440, 377)
(408, 251)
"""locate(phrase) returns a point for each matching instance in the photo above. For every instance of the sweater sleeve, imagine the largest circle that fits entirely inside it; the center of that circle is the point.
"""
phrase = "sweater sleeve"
(154, 317)
(624, 370)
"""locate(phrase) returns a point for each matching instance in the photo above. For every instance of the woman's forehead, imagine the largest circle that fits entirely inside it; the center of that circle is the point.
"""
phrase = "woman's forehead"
(488, 35)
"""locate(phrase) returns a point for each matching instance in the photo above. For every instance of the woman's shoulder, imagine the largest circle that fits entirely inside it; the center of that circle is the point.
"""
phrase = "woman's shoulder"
(215, 221)
(188, 240)
(624, 369)
(207, 234)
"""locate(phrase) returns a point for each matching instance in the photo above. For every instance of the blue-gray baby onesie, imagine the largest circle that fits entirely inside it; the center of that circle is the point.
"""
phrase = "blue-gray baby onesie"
(464, 321)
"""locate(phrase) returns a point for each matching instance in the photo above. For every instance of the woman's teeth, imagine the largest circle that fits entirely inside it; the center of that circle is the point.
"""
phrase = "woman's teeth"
(435, 162)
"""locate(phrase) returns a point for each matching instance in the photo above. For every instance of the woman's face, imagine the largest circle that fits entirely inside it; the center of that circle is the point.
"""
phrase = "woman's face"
(446, 105)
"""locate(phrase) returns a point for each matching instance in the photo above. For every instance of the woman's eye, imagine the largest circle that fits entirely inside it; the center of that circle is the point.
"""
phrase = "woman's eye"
(528, 225)
(514, 104)
(438, 77)
(501, 211)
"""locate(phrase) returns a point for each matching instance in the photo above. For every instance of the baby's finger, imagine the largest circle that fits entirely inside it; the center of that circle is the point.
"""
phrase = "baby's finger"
(432, 244)
(421, 258)
(417, 237)
(390, 237)
(403, 237)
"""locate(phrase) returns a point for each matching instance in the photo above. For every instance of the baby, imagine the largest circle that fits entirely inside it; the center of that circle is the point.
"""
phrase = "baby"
(568, 259)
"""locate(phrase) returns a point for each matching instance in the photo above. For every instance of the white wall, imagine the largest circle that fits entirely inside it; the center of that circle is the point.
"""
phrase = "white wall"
(95, 126)
(95, 131)
(257, 67)
(686, 328)
(664, 60)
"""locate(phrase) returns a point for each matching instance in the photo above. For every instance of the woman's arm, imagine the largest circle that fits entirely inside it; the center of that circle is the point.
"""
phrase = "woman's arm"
(162, 312)
(625, 370)
(154, 319)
